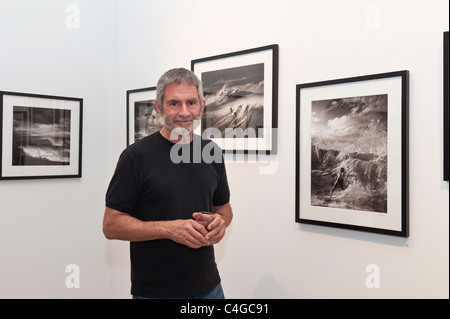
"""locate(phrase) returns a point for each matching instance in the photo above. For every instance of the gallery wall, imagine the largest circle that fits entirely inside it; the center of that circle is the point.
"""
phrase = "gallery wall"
(47, 225)
(266, 254)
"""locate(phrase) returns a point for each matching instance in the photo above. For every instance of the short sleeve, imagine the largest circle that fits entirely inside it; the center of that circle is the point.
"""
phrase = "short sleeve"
(222, 193)
(125, 187)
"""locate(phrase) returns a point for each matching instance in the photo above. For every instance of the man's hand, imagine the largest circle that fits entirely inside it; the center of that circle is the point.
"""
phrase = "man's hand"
(188, 232)
(209, 230)
(214, 224)
(216, 230)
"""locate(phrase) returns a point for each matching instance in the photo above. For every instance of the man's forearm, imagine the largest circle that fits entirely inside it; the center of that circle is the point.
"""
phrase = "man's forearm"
(225, 212)
(121, 226)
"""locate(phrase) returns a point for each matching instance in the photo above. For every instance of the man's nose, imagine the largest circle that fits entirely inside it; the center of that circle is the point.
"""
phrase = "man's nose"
(184, 111)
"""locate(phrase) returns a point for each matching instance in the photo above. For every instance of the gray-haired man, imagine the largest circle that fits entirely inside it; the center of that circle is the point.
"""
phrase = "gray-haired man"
(159, 205)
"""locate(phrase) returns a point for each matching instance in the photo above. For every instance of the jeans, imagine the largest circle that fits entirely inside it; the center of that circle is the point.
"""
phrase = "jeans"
(216, 293)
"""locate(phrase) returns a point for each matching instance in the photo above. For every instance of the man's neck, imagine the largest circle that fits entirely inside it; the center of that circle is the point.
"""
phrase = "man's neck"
(176, 138)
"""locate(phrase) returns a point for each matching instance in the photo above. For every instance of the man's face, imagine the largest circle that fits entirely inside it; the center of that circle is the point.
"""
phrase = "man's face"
(181, 106)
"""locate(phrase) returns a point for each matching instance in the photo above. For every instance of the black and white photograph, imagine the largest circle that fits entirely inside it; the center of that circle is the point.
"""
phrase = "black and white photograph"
(241, 93)
(41, 136)
(143, 117)
(352, 153)
(147, 119)
(349, 153)
(234, 99)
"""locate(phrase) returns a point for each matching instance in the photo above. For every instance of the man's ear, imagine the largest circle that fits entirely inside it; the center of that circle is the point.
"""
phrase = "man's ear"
(158, 108)
(203, 108)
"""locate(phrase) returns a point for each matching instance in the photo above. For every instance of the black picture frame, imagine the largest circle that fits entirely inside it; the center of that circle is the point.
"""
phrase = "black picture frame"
(446, 112)
(348, 125)
(142, 117)
(40, 136)
(241, 91)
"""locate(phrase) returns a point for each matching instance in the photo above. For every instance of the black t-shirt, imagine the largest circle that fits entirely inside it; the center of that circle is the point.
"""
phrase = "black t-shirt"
(157, 180)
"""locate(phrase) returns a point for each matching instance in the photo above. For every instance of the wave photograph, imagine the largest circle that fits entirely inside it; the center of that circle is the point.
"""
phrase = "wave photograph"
(235, 100)
(41, 136)
(349, 153)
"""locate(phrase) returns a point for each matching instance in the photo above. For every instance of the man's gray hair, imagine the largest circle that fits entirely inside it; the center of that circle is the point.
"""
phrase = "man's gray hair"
(178, 76)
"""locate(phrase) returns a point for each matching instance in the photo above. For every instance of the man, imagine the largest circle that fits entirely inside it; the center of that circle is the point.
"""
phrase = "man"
(156, 203)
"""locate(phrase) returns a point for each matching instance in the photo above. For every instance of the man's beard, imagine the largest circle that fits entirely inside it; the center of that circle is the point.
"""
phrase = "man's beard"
(182, 131)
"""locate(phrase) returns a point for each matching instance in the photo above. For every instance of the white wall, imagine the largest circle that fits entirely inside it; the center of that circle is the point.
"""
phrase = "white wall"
(46, 225)
(265, 253)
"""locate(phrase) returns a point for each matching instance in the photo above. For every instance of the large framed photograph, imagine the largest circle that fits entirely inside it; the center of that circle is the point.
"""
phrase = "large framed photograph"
(40, 136)
(142, 117)
(446, 108)
(352, 153)
(241, 92)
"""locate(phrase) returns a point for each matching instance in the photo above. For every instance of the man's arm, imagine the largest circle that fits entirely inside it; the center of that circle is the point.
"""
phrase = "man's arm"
(121, 226)
(225, 212)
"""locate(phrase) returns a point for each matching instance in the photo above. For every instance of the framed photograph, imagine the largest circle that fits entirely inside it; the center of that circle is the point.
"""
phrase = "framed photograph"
(40, 136)
(142, 117)
(241, 92)
(446, 109)
(352, 153)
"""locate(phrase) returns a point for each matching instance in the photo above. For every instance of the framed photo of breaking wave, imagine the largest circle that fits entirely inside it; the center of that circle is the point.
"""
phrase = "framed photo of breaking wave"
(241, 93)
(352, 153)
(40, 136)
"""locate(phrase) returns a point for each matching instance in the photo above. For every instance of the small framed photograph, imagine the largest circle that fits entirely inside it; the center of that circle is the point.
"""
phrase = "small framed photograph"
(241, 92)
(446, 109)
(352, 153)
(142, 117)
(40, 136)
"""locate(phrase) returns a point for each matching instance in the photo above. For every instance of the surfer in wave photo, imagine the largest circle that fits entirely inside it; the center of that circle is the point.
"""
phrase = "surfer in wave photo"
(340, 180)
